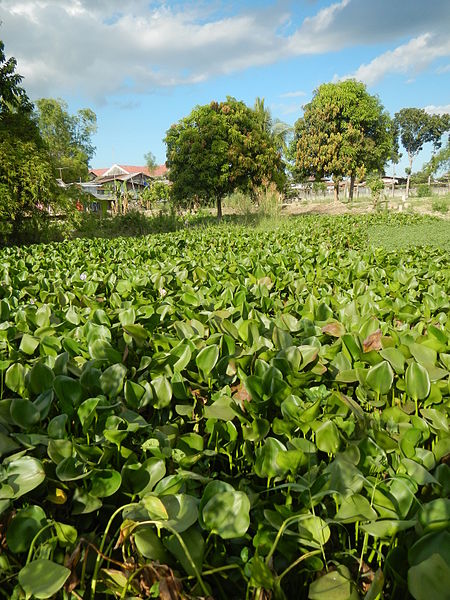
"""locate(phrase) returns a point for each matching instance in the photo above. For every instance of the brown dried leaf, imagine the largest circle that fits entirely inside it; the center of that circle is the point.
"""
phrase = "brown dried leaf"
(334, 329)
(240, 395)
(372, 341)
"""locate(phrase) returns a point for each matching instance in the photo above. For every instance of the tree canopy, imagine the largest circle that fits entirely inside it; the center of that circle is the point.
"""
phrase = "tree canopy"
(218, 148)
(27, 184)
(69, 137)
(344, 132)
(415, 128)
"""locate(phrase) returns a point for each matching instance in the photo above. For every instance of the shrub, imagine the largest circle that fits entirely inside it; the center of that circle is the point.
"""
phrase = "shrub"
(424, 191)
(440, 205)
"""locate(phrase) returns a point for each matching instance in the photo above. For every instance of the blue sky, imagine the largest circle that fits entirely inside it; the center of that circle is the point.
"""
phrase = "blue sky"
(142, 65)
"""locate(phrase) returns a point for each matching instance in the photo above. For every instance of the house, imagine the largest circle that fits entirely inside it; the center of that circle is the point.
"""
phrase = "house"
(130, 178)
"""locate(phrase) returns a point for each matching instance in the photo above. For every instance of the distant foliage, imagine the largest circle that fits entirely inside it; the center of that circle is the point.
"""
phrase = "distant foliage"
(219, 148)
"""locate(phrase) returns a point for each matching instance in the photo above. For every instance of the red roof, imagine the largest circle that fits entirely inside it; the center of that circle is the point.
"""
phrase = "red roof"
(158, 171)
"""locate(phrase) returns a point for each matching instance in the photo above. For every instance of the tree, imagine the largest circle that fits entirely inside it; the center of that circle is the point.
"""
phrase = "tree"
(416, 127)
(28, 189)
(344, 132)
(150, 161)
(157, 191)
(68, 137)
(278, 130)
(218, 148)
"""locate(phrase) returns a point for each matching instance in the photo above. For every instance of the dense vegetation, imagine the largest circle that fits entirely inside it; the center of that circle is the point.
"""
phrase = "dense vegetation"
(228, 412)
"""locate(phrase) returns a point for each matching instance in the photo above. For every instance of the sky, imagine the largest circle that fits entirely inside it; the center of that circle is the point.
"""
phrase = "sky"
(142, 65)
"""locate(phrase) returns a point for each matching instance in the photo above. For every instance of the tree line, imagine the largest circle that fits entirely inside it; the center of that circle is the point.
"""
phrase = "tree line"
(221, 147)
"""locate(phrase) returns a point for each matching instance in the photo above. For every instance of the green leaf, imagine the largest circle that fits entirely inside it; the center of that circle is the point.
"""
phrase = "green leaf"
(24, 526)
(28, 344)
(163, 392)
(41, 378)
(112, 379)
(182, 510)
(355, 508)
(15, 378)
(429, 579)
(149, 544)
(207, 358)
(266, 464)
(417, 381)
(313, 531)
(42, 578)
(335, 585)
(69, 393)
(386, 528)
(105, 482)
(327, 437)
(24, 413)
(195, 544)
(24, 474)
(227, 514)
(435, 515)
(380, 377)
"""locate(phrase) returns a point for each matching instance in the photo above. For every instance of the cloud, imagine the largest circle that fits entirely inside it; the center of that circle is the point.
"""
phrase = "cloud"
(437, 110)
(413, 57)
(297, 94)
(105, 48)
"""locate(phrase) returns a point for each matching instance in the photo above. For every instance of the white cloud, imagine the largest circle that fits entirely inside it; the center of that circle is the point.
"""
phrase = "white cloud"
(297, 94)
(104, 48)
(438, 110)
(413, 57)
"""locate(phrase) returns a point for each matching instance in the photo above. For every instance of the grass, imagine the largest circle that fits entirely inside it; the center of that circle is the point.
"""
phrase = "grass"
(433, 232)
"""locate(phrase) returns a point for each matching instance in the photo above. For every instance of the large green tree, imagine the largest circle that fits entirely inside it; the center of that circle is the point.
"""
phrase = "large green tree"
(415, 128)
(218, 148)
(344, 132)
(68, 137)
(27, 186)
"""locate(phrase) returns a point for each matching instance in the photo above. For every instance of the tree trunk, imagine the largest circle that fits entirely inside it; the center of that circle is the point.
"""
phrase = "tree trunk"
(409, 177)
(336, 191)
(352, 187)
(219, 208)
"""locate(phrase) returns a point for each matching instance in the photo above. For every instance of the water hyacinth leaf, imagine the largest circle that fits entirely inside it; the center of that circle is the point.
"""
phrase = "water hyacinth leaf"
(155, 507)
(395, 357)
(195, 545)
(42, 578)
(207, 358)
(227, 514)
(41, 378)
(105, 482)
(429, 544)
(429, 579)
(15, 378)
(266, 463)
(380, 378)
(327, 437)
(84, 503)
(435, 515)
(149, 545)
(335, 585)
(162, 392)
(24, 413)
(24, 474)
(386, 528)
(182, 511)
(112, 380)
(67, 535)
(28, 344)
(101, 349)
(313, 531)
(86, 413)
(23, 527)
(69, 393)
(417, 381)
(137, 332)
(71, 469)
(355, 508)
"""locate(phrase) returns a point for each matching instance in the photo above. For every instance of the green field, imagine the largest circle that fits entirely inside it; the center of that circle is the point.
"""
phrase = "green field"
(228, 411)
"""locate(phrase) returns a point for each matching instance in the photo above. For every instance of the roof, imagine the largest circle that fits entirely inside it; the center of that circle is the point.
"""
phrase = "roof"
(159, 171)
